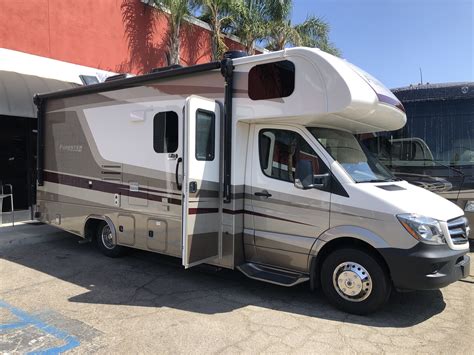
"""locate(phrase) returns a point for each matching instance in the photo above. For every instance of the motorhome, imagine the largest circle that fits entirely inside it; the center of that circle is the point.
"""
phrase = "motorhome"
(435, 149)
(252, 164)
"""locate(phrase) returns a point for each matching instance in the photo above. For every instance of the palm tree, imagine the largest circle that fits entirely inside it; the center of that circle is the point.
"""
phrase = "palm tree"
(177, 10)
(313, 32)
(279, 29)
(251, 23)
(220, 15)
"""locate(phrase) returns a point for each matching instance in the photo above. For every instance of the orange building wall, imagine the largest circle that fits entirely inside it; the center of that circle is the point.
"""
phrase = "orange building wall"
(115, 35)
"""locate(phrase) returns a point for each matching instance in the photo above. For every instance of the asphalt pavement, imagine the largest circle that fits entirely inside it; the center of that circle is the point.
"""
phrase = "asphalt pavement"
(59, 295)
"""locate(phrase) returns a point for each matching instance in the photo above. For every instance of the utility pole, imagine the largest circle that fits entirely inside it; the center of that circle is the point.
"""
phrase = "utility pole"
(421, 77)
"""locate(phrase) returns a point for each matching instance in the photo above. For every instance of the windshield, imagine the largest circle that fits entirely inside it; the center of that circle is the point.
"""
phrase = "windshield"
(361, 165)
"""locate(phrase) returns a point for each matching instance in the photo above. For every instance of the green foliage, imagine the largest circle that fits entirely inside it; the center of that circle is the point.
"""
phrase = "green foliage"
(176, 10)
(250, 20)
(313, 32)
(220, 15)
(251, 23)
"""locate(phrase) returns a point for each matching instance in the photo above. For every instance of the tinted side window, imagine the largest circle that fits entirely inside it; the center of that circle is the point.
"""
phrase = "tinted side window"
(205, 135)
(165, 132)
(272, 80)
(280, 151)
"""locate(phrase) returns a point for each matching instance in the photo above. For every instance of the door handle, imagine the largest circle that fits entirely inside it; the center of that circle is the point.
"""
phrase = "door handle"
(263, 193)
(178, 185)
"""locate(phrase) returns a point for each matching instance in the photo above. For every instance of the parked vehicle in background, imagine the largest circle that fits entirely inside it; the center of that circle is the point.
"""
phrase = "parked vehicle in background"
(261, 172)
(435, 149)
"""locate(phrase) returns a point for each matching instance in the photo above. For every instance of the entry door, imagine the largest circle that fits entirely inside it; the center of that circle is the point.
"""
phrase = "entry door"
(202, 197)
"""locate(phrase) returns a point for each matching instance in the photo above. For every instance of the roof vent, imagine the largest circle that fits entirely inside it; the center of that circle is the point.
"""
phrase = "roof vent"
(169, 67)
(118, 77)
(235, 54)
(89, 79)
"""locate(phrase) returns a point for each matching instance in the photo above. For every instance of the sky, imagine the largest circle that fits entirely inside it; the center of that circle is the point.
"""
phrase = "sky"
(392, 39)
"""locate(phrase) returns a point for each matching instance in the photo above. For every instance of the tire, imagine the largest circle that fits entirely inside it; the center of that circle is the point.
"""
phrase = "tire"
(355, 281)
(105, 242)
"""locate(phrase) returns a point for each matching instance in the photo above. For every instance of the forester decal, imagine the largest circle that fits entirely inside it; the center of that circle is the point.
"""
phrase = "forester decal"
(70, 148)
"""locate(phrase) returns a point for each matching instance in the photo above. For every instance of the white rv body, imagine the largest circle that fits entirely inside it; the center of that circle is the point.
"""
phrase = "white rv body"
(258, 171)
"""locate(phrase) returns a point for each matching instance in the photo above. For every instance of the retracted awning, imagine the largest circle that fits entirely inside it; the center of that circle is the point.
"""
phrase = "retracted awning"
(17, 91)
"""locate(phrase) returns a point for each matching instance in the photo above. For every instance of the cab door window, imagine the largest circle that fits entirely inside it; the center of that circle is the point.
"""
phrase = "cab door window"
(279, 152)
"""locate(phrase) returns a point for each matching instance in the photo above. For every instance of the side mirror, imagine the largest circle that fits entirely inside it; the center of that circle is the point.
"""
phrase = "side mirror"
(321, 181)
(304, 174)
(305, 179)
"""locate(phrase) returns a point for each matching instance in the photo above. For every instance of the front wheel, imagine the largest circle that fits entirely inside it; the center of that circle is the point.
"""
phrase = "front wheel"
(354, 281)
(106, 243)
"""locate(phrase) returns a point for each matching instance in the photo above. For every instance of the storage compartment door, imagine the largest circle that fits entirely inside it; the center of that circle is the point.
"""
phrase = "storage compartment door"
(202, 197)
(126, 230)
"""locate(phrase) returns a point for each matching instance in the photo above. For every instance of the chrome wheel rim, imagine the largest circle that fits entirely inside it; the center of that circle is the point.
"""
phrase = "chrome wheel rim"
(352, 281)
(107, 237)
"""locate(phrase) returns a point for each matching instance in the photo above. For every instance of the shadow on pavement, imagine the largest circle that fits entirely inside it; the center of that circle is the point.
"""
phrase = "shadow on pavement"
(152, 280)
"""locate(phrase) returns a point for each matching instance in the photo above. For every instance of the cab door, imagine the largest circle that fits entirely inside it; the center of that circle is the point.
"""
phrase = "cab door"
(287, 219)
(202, 196)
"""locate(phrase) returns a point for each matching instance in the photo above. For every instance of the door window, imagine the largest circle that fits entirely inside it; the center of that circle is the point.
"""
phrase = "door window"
(205, 135)
(280, 150)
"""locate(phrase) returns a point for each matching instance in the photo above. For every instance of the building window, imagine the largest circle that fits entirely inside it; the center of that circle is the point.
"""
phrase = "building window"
(205, 135)
(165, 132)
(280, 150)
(272, 80)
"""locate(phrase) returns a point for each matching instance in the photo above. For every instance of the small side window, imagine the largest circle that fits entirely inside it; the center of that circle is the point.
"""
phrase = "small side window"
(165, 132)
(205, 135)
(271, 80)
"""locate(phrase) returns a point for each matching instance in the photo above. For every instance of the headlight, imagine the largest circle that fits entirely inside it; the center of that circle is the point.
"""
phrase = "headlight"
(424, 229)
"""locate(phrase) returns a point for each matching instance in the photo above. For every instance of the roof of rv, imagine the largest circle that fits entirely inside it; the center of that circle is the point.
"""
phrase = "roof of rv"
(325, 90)
(129, 81)
(172, 71)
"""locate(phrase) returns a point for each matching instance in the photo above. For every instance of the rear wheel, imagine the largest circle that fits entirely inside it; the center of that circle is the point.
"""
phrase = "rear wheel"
(355, 281)
(106, 243)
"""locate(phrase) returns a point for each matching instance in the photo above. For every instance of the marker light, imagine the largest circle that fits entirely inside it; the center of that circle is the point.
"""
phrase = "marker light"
(469, 206)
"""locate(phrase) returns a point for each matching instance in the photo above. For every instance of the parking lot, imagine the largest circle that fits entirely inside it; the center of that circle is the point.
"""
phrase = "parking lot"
(57, 294)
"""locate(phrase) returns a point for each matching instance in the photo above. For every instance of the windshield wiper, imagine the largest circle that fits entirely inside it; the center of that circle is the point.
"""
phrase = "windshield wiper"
(378, 180)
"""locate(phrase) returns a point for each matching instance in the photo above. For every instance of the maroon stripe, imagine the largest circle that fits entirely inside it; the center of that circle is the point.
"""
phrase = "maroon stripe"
(192, 89)
(233, 211)
(391, 101)
(103, 186)
(202, 210)
(252, 213)
(187, 89)
(148, 189)
(115, 188)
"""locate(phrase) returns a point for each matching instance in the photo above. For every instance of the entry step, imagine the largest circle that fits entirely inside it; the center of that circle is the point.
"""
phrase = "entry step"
(272, 275)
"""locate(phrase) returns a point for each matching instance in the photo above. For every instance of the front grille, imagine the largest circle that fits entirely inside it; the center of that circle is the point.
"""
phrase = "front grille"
(458, 230)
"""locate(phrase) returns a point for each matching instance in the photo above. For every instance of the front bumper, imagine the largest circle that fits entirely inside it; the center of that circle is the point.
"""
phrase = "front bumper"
(426, 267)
